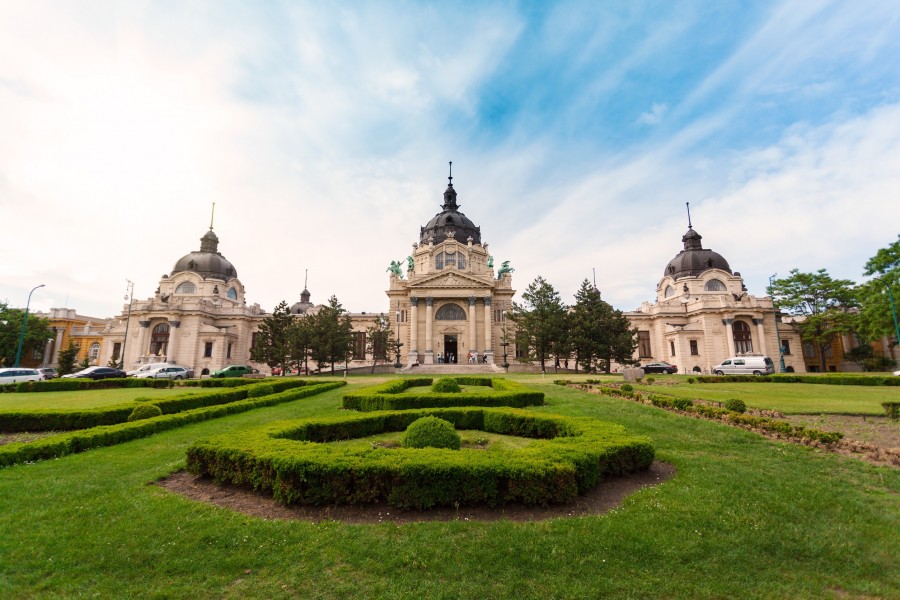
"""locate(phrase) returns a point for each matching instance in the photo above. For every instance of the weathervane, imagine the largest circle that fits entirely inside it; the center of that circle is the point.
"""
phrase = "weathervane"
(451, 173)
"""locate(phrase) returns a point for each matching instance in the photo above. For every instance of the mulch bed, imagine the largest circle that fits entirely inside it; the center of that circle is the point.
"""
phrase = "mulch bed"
(608, 495)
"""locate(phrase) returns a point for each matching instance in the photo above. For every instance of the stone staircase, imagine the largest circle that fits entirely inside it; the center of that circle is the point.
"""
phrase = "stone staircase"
(463, 369)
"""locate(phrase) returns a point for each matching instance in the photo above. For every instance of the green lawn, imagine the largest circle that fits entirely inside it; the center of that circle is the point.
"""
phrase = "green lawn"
(86, 399)
(789, 398)
(744, 517)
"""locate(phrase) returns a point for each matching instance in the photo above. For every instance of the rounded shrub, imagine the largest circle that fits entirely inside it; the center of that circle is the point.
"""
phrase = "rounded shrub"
(650, 380)
(627, 387)
(446, 385)
(260, 390)
(144, 411)
(691, 380)
(736, 405)
(431, 432)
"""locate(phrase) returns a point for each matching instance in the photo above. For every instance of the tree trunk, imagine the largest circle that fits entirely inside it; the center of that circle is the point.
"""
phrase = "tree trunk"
(821, 348)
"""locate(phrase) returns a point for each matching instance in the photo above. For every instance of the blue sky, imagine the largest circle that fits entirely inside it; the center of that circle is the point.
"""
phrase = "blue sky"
(322, 131)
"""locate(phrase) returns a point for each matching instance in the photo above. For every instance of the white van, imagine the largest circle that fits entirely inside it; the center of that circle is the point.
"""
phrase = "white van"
(745, 365)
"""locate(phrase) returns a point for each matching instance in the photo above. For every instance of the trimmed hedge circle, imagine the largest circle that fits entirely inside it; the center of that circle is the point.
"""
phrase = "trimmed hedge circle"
(446, 385)
(393, 395)
(293, 461)
(431, 432)
(144, 411)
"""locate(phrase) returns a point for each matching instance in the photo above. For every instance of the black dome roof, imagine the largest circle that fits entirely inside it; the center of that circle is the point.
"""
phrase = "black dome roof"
(694, 259)
(207, 262)
(450, 222)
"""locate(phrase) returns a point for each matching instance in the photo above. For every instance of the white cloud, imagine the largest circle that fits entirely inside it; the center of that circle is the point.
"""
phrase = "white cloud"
(654, 115)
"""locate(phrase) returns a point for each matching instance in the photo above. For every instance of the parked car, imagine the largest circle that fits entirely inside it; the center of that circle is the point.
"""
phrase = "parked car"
(18, 375)
(97, 373)
(234, 371)
(48, 372)
(745, 365)
(149, 367)
(171, 372)
(659, 367)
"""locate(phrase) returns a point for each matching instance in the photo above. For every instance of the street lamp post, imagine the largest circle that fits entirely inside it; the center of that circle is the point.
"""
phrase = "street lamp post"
(505, 341)
(893, 310)
(398, 344)
(25, 322)
(777, 334)
(130, 298)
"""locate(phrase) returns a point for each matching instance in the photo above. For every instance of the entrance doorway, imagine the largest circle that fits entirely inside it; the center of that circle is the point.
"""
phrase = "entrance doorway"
(450, 346)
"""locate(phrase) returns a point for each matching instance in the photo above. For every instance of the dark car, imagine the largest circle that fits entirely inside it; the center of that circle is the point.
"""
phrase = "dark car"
(234, 371)
(98, 373)
(659, 367)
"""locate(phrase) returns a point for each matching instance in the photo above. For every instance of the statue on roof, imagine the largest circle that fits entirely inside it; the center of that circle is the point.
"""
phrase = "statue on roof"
(394, 269)
(504, 268)
(410, 263)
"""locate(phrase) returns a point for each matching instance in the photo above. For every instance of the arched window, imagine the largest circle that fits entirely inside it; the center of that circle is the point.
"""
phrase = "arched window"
(714, 285)
(450, 312)
(159, 339)
(94, 352)
(232, 294)
(186, 287)
(447, 259)
(742, 342)
(670, 291)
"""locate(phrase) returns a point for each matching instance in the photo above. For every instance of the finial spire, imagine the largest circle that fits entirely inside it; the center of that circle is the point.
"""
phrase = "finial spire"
(595, 277)
(688, 204)
(305, 277)
(212, 216)
(450, 179)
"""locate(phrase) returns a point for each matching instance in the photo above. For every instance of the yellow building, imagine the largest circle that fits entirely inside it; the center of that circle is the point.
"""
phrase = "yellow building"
(86, 333)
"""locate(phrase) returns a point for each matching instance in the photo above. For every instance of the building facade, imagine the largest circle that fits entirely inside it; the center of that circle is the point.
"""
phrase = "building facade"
(85, 333)
(704, 314)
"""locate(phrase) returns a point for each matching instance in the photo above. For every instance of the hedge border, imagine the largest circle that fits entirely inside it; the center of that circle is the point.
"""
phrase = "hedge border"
(110, 435)
(822, 379)
(386, 396)
(293, 461)
(69, 384)
(68, 420)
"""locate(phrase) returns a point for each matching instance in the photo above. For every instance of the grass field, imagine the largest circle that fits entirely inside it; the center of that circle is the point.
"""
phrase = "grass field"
(81, 400)
(789, 398)
(744, 517)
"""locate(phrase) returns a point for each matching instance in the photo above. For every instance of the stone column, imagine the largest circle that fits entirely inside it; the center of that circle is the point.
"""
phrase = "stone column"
(57, 345)
(729, 335)
(413, 328)
(172, 346)
(45, 358)
(473, 341)
(761, 333)
(142, 337)
(429, 317)
(488, 342)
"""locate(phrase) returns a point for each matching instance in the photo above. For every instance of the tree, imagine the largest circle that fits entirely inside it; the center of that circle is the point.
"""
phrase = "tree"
(299, 338)
(273, 338)
(37, 332)
(379, 338)
(876, 315)
(67, 359)
(331, 338)
(540, 321)
(599, 333)
(824, 303)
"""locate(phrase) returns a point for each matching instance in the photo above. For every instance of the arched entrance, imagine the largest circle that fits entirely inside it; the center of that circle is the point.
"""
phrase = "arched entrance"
(159, 339)
(743, 344)
(451, 348)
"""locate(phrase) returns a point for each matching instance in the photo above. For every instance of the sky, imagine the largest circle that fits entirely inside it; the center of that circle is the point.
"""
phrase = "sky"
(322, 131)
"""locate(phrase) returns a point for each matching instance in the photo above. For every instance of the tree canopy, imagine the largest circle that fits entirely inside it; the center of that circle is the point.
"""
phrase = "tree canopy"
(37, 332)
(379, 339)
(540, 320)
(331, 338)
(273, 340)
(876, 315)
(598, 332)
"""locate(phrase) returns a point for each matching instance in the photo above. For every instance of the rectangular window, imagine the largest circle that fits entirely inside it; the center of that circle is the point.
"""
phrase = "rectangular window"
(828, 352)
(644, 344)
(207, 350)
(695, 349)
(117, 349)
(228, 353)
(809, 350)
(359, 345)
(785, 347)
(671, 348)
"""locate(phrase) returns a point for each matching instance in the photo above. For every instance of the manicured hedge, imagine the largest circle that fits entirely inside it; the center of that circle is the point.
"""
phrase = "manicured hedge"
(891, 409)
(292, 460)
(389, 396)
(73, 383)
(67, 420)
(823, 379)
(109, 435)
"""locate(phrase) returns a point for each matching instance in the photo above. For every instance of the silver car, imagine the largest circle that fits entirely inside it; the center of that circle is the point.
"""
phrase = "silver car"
(18, 375)
(166, 373)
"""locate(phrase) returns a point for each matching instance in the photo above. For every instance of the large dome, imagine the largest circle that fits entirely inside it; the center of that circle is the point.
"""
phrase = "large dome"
(694, 259)
(207, 262)
(450, 223)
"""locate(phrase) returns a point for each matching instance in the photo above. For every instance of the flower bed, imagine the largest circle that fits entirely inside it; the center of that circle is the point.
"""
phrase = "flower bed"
(391, 395)
(294, 461)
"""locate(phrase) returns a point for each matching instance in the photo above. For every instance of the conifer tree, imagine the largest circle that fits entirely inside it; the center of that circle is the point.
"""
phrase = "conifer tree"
(540, 320)
(273, 338)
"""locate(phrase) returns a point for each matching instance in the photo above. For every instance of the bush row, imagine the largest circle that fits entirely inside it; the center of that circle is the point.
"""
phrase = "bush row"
(823, 379)
(891, 409)
(291, 460)
(67, 420)
(387, 396)
(73, 384)
(723, 414)
(109, 435)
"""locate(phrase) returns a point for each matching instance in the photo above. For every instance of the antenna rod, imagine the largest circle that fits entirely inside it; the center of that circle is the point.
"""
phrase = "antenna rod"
(451, 172)
(305, 277)
(688, 204)
(212, 216)
(595, 276)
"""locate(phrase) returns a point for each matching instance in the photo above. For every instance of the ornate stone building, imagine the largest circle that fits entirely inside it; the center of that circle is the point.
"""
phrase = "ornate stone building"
(198, 317)
(704, 314)
(449, 302)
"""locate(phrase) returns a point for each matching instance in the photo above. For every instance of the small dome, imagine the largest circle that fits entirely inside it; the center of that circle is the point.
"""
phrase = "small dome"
(300, 308)
(207, 262)
(450, 223)
(694, 259)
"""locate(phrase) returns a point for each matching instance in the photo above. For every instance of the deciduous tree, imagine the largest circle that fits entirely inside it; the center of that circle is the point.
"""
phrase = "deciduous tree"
(37, 332)
(379, 339)
(876, 315)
